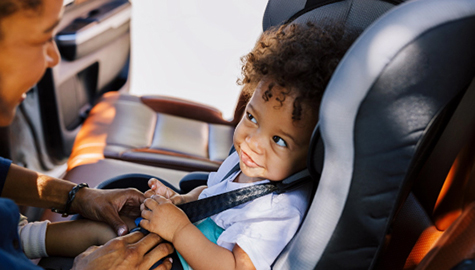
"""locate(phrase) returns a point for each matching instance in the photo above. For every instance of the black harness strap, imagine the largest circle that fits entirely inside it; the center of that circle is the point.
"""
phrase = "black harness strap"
(200, 209)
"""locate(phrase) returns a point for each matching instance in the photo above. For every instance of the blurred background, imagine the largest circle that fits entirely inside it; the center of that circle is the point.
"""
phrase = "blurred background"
(192, 49)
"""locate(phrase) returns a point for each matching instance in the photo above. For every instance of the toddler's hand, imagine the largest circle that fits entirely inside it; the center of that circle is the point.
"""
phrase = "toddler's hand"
(158, 188)
(160, 216)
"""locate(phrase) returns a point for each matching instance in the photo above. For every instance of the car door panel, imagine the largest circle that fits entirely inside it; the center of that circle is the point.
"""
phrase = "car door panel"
(94, 42)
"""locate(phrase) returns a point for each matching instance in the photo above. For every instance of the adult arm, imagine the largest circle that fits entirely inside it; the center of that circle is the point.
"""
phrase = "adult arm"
(27, 187)
(82, 232)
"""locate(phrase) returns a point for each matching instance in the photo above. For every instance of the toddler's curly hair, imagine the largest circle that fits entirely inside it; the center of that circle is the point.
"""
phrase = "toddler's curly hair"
(299, 58)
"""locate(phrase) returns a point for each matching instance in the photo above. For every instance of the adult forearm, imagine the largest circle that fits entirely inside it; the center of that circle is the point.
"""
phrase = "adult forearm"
(82, 233)
(27, 187)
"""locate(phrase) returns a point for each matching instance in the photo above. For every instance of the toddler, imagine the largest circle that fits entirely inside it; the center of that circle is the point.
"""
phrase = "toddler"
(284, 76)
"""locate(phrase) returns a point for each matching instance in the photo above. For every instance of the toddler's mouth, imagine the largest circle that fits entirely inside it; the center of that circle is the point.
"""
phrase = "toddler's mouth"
(247, 160)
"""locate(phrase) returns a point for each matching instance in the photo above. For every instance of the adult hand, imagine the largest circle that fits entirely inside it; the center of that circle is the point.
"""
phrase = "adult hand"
(130, 252)
(105, 205)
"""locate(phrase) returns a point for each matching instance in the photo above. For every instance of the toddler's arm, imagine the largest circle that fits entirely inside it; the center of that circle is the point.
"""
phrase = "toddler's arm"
(70, 238)
(158, 188)
(165, 219)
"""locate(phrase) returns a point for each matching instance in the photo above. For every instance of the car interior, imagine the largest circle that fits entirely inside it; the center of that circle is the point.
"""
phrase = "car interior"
(391, 156)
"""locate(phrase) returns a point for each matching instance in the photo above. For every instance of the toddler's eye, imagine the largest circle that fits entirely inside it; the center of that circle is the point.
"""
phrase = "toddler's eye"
(279, 141)
(251, 118)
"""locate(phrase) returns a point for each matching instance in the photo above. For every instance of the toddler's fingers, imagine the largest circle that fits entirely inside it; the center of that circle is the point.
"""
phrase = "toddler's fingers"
(142, 207)
(160, 188)
(149, 193)
(152, 183)
(159, 199)
(176, 200)
(150, 203)
(147, 215)
(163, 191)
(144, 223)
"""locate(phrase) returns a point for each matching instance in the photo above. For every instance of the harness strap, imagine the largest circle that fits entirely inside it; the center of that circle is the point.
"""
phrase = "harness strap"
(200, 209)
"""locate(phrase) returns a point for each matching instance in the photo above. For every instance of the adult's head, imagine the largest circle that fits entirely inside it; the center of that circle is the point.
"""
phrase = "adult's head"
(27, 48)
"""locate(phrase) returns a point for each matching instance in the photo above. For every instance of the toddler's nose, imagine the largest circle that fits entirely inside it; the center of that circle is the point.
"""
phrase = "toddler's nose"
(255, 144)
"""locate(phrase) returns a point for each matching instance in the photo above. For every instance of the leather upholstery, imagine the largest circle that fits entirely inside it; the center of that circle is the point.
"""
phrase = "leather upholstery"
(420, 238)
(455, 245)
(187, 109)
(125, 127)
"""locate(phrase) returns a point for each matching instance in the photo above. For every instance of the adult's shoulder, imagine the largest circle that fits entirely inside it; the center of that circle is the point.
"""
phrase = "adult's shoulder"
(4, 167)
(11, 255)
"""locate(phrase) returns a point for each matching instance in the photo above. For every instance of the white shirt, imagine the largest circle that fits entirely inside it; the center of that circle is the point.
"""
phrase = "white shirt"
(262, 227)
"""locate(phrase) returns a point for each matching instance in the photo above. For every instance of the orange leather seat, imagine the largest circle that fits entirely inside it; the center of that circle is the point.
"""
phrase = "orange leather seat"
(155, 130)
(440, 236)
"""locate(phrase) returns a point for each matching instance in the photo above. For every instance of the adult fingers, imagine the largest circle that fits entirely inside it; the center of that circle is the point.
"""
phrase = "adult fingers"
(116, 222)
(157, 253)
(132, 238)
(149, 241)
(166, 265)
(113, 201)
(83, 257)
(90, 250)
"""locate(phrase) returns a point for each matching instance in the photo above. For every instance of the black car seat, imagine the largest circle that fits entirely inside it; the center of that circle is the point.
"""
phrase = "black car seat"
(383, 115)
(179, 134)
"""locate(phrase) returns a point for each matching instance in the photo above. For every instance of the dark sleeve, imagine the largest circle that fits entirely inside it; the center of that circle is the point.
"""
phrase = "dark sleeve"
(11, 255)
(4, 167)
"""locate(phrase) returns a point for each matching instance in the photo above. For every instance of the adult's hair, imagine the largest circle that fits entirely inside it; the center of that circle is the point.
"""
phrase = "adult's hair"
(300, 58)
(10, 7)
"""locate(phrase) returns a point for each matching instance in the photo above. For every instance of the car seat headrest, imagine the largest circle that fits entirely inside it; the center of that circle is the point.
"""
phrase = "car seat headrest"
(356, 14)
(378, 115)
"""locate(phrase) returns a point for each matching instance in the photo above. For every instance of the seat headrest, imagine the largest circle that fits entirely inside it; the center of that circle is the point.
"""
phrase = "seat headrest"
(357, 14)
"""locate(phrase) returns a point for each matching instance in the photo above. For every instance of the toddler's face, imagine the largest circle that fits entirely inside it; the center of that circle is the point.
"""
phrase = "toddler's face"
(269, 143)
